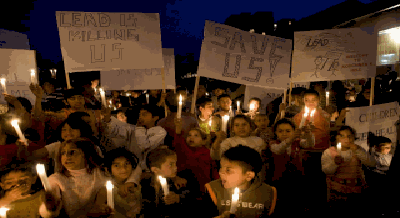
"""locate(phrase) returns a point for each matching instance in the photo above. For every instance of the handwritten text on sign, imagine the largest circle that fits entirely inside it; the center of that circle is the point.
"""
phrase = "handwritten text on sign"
(333, 55)
(241, 57)
(105, 41)
(378, 119)
(18, 89)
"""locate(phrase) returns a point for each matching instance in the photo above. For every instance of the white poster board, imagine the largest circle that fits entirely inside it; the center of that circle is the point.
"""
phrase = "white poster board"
(14, 40)
(242, 57)
(378, 119)
(96, 41)
(15, 67)
(265, 94)
(141, 79)
(336, 54)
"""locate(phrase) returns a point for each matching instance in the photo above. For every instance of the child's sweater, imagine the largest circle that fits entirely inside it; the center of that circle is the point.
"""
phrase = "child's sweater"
(252, 141)
(26, 208)
(77, 192)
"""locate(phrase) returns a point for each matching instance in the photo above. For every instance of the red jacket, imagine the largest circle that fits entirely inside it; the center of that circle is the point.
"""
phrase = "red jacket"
(197, 160)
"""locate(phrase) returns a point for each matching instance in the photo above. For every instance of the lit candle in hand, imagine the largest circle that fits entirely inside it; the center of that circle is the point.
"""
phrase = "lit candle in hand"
(252, 107)
(15, 124)
(3, 212)
(224, 122)
(179, 108)
(110, 196)
(238, 106)
(33, 76)
(3, 85)
(147, 98)
(234, 202)
(43, 177)
(312, 116)
(303, 119)
(164, 185)
(327, 98)
(339, 147)
(103, 97)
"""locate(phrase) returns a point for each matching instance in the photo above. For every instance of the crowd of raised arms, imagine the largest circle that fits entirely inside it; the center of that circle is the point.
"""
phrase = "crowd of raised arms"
(277, 162)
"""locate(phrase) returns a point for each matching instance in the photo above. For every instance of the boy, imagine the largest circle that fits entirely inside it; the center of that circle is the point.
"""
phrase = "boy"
(162, 162)
(18, 193)
(225, 102)
(239, 168)
(206, 109)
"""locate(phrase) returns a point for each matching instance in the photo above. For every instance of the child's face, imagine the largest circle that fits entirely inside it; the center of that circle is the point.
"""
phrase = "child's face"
(146, 118)
(284, 131)
(207, 110)
(168, 168)
(232, 175)
(219, 92)
(76, 101)
(345, 138)
(121, 116)
(261, 121)
(311, 101)
(18, 179)
(72, 158)
(121, 169)
(225, 103)
(68, 133)
(194, 139)
(385, 148)
(256, 105)
(241, 127)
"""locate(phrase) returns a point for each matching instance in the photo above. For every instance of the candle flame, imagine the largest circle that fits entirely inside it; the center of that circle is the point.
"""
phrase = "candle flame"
(327, 94)
(14, 123)
(40, 169)
(226, 117)
(339, 146)
(180, 98)
(109, 185)
(210, 122)
(3, 211)
(32, 72)
(237, 190)
(306, 111)
(162, 180)
(312, 113)
(3, 81)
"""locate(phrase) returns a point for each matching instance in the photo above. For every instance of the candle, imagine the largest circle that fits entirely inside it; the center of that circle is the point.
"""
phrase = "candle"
(230, 111)
(235, 199)
(209, 123)
(164, 186)
(303, 119)
(327, 98)
(179, 107)
(252, 106)
(103, 97)
(3, 85)
(312, 116)
(14, 123)
(224, 122)
(339, 147)
(33, 76)
(147, 98)
(43, 177)
(110, 196)
(3, 212)
(238, 106)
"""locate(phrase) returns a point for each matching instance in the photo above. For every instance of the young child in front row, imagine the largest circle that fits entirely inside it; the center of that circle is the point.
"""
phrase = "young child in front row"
(18, 193)
(239, 168)
(162, 162)
(75, 188)
(121, 163)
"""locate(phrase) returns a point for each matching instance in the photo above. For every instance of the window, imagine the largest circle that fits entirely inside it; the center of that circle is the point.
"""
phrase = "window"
(388, 46)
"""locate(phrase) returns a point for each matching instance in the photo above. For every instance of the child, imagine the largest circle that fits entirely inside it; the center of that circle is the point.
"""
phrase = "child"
(162, 162)
(225, 102)
(239, 168)
(18, 192)
(287, 161)
(206, 109)
(194, 156)
(76, 185)
(254, 107)
(241, 126)
(143, 137)
(122, 163)
(262, 130)
(344, 175)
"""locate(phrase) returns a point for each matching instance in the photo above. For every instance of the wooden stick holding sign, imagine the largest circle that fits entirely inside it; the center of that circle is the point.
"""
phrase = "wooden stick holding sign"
(284, 102)
(290, 93)
(195, 93)
(371, 98)
(163, 90)
(67, 79)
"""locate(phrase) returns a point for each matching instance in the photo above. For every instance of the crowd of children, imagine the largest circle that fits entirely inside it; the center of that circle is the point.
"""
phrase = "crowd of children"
(287, 167)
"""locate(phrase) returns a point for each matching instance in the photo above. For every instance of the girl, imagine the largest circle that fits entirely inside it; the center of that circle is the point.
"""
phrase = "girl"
(76, 185)
(287, 163)
(241, 126)
(122, 163)
(193, 155)
(343, 169)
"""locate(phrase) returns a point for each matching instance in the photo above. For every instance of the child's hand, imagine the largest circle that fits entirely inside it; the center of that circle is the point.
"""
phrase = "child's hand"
(296, 134)
(100, 211)
(36, 90)
(171, 198)
(15, 194)
(334, 116)
(51, 201)
(179, 182)
(338, 159)
(221, 135)
(127, 188)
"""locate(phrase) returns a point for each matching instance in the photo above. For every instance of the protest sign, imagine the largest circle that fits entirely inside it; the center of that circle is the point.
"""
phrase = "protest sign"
(141, 79)
(335, 54)
(242, 57)
(14, 40)
(15, 67)
(378, 119)
(93, 41)
(265, 94)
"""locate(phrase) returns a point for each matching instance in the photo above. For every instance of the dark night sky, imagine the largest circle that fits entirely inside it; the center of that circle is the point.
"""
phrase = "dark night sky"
(182, 21)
